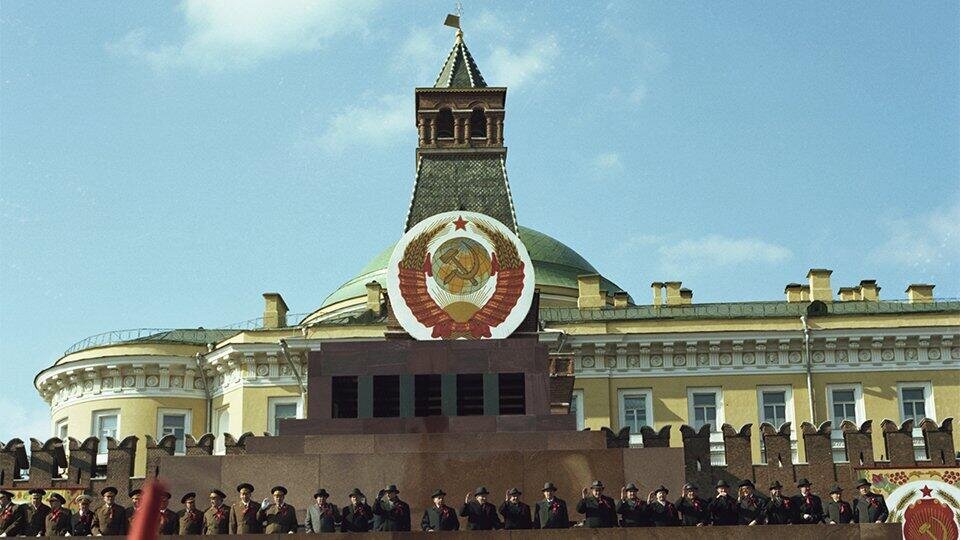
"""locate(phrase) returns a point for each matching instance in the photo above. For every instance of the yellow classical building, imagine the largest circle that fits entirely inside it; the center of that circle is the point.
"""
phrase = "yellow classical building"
(811, 356)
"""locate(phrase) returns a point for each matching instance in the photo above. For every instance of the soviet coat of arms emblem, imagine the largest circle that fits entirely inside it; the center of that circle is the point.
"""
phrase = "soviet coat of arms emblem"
(460, 275)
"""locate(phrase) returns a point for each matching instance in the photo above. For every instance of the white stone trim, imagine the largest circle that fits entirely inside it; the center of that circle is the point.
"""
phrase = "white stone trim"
(187, 420)
(272, 402)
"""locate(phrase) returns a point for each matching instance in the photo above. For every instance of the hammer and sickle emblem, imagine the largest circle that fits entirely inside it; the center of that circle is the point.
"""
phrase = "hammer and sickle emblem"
(462, 272)
(925, 529)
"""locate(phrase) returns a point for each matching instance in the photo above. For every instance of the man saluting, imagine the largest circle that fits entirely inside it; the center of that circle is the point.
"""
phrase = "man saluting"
(551, 512)
(280, 517)
(516, 513)
(480, 514)
(394, 514)
(598, 509)
(633, 510)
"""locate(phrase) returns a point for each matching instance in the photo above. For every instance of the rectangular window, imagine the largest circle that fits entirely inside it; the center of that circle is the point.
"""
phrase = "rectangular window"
(705, 406)
(636, 411)
(916, 403)
(281, 408)
(576, 408)
(386, 396)
(105, 424)
(61, 432)
(426, 395)
(844, 403)
(512, 393)
(469, 394)
(174, 422)
(775, 405)
(343, 393)
(221, 425)
(705, 410)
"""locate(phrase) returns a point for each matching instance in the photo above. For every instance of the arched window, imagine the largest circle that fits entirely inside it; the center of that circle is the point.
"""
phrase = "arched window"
(478, 123)
(445, 124)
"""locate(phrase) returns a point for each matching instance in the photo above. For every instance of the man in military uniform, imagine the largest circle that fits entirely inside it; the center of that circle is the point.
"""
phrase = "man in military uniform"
(693, 510)
(322, 516)
(869, 507)
(481, 515)
(169, 522)
(551, 512)
(11, 518)
(751, 504)
(516, 513)
(191, 519)
(34, 513)
(109, 519)
(838, 510)
(779, 510)
(280, 517)
(598, 509)
(81, 522)
(356, 517)
(438, 516)
(724, 509)
(216, 519)
(394, 514)
(244, 517)
(58, 519)
(809, 506)
(662, 511)
(131, 510)
(632, 509)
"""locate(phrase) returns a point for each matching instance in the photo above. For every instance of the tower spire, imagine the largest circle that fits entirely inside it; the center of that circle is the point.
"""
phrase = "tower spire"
(459, 71)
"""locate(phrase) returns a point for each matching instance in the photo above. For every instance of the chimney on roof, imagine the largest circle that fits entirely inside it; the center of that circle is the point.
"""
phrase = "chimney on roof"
(374, 292)
(657, 288)
(686, 296)
(673, 292)
(621, 299)
(796, 292)
(274, 310)
(589, 291)
(869, 291)
(849, 294)
(819, 279)
(920, 293)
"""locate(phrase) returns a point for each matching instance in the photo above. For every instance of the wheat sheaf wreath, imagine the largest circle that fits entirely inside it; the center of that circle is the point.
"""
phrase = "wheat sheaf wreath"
(415, 266)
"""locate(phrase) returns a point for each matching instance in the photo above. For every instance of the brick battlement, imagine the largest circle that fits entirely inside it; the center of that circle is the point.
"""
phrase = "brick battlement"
(74, 463)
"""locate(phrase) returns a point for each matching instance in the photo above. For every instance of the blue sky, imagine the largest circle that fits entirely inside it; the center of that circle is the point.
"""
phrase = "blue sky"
(163, 164)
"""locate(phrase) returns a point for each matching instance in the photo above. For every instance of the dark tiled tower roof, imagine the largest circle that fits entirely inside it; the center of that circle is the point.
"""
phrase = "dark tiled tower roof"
(460, 71)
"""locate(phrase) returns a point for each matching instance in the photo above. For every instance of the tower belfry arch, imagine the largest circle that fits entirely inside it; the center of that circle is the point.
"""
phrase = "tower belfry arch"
(461, 157)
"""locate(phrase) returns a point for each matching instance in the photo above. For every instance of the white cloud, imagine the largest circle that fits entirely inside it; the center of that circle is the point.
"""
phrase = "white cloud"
(518, 66)
(24, 420)
(224, 34)
(608, 161)
(717, 251)
(421, 55)
(384, 122)
(925, 242)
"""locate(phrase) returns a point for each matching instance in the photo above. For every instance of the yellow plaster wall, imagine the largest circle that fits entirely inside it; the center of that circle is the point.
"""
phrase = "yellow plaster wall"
(741, 406)
(138, 416)
(249, 409)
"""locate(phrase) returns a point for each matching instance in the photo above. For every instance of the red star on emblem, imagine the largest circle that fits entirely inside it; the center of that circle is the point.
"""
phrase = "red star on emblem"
(460, 223)
(926, 491)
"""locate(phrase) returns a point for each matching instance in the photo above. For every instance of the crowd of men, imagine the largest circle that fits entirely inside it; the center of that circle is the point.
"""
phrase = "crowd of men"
(389, 513)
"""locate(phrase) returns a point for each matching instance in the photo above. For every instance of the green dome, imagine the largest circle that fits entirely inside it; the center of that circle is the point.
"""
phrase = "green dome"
(555, 265)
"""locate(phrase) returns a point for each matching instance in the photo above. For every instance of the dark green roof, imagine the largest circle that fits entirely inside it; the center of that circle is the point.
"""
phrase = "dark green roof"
(734, 310)
(554, 264)
(460, 71)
